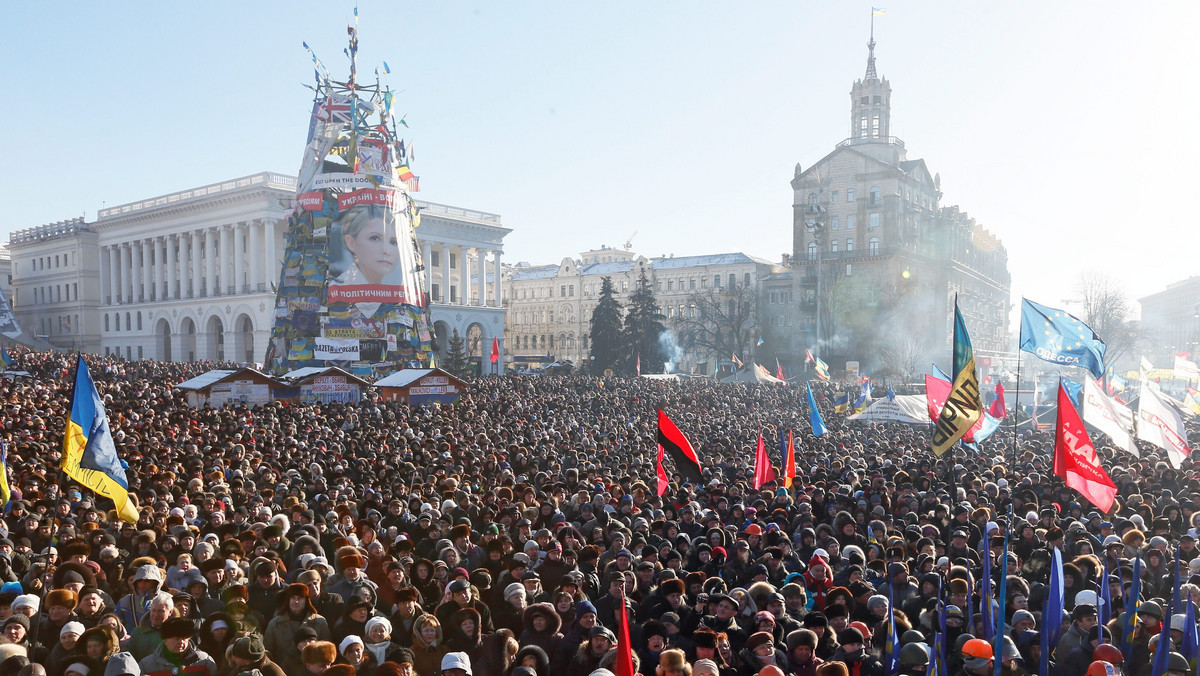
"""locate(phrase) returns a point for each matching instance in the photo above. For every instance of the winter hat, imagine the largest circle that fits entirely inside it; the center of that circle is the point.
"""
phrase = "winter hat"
(76, 628)
(248, 648)
(849, 635)
(349, 641)
(375, 622)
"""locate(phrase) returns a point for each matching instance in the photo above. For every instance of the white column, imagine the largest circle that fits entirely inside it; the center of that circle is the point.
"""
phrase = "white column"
(164, 263)
(126, 256)
(496, 283)
(135, 279)
(254, 232)
(427, 261)
(210, 265)
(239, 257)
(226, 257)
(464, 265)
(110, 276)
(196, 279)
(172, 266)
(147, 269)
(482, 283)
(183, 246)
(272, 259)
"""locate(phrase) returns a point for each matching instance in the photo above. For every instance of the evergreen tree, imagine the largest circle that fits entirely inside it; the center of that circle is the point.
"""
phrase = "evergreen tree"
(605, 335)
(456, 358)
(643, 326)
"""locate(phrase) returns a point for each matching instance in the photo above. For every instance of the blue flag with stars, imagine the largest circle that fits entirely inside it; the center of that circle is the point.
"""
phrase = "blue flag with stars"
(1060, 338)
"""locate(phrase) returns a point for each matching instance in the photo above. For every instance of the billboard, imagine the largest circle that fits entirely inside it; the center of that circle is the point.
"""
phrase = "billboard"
(351, 290)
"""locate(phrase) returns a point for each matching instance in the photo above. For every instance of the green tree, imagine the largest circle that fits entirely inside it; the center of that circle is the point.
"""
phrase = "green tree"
(643, 327)
(605, 333)
(456, 357)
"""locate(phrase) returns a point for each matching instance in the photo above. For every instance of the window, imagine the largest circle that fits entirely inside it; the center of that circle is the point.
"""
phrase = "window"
(850, 245)
(732, 280)
(551, 342)
(746, 280)
(562, 291)
(812, 251)
(833, 223)
(692, 283)
(717, 281)
(624, 287)
(139, 321)
(571, 291)
(850, 222)
(865, 100)
(670, 285)
(434, 258)
(552, 321)
(875, 200)
(704, 282)
(873, 221)
(833, 246)
(834, 197)
(453, 261)
(849, 271)
(436, 293)
(812, 199)
(106, 323)
(670, 311)
(139, 351)
(849, 194)
(774, 297)
(862, 125)
(875, 126)
(873, 246)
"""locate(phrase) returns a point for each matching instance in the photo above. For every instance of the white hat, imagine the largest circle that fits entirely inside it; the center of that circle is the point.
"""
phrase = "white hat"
(1088, 597)
(376, 621)
(72, 628)
(457, 661)
(349, 641)
(26, 600)
(517, 588)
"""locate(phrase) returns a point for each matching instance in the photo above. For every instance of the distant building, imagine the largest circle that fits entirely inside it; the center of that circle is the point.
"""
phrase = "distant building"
(1171, 321)
(550, 306)
(890, 257)
(190, 275)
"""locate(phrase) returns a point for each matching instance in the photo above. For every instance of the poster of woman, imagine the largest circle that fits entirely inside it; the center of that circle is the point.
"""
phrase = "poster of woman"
(367, 263)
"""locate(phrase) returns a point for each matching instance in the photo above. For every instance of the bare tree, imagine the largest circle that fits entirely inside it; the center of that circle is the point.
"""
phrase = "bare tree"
(904, 354)
(719, 321)
(1107, 309)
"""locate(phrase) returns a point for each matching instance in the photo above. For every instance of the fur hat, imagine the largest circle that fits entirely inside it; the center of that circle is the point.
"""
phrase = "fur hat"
(757, 639)
(319, 652)
(801, 637)
(672, 658)
(177, 627)
(462, 530)
(61, 597)
(672, 586)
(75, 548)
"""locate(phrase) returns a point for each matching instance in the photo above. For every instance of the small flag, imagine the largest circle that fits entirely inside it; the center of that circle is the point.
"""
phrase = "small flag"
(6, 358)
(1052, 611)
(760, 341)
(842, 403)
(998, 648)
(985, 585)
(663, 481)
(639, 364)
(821, 368)
(891, 395)
(1105, 606)
(403, 172)
(1160, 424)
(672, 441)
(789, 462)
(737, 362)
(764, 473)
(1130, 623)
(1075, 458)
(1105, 414)
(864, 397)
(5, 493)
(89, 454)
(1161, 656)
(808, 357)
(779, 370)
(891, 649)
(814, 415)
(67, 322)
(495, 349)
(998, 410)
(624, 662)
(878, 11)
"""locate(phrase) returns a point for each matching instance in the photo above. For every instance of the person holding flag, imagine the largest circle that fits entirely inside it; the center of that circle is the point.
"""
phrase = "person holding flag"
(963, 406)
(89, 453)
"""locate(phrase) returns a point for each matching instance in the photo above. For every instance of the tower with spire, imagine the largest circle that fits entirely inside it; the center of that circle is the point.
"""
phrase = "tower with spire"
(871, 104)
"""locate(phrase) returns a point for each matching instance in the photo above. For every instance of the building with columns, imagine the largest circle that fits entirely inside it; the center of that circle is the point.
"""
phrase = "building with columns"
(190, 275)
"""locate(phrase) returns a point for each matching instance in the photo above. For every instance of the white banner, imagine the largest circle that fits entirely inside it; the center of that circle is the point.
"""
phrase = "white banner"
(1185, 369)
(336, 349)
(1108, 416)
(1160, 424)
(909, 408)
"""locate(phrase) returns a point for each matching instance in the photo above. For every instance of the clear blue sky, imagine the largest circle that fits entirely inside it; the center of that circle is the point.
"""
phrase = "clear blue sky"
(1065, 128)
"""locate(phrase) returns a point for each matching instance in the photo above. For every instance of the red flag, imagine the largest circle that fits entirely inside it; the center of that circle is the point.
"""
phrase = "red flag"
(789, 463)
(663, 481)
(736, 360)
(671, 440)
(624, 665)
(1075, 457)
(639, 364)
(495, 349)
(779, 370)
(763, 471)
(998, 409)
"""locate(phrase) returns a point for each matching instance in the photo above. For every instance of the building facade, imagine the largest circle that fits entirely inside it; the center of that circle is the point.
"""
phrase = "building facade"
(1171, 322)
(191, 275)
(550, 306)
(877, 260)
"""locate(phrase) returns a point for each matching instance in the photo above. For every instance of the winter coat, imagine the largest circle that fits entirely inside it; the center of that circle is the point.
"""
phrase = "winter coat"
(280, 633)
(163, 662)
(427, 659)
(549, 638)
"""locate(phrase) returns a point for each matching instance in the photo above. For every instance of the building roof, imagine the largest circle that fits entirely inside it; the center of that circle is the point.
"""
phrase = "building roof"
(606, 268)
(407, 377)
(307, 372)
(530, 274)
(735, 258)
(205, 379)
(778, 276)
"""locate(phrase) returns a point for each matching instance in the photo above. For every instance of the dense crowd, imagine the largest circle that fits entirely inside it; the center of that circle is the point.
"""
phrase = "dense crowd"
(502, 536)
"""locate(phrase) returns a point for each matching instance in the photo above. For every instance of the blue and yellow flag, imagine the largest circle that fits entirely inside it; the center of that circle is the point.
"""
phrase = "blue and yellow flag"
(864, 397)
(6, 358)
(5, 493)
(89, 454)
(963, 406)
(842, 403)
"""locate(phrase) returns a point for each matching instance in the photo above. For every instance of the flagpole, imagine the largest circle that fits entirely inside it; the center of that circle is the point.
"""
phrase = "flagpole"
(1016, 408)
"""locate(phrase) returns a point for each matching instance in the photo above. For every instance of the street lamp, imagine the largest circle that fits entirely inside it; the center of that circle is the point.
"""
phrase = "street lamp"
(816, 225)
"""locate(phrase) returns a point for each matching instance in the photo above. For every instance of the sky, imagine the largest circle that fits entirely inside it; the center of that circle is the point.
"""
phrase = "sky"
(582, 124)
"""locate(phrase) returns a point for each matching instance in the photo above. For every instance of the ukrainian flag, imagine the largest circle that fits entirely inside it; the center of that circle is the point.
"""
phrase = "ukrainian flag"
(5, 493)
(6, 358)
(89, 454)
(842, 403)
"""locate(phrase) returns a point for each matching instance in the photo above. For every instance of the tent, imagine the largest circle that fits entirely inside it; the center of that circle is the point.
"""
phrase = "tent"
(753, 374)
(906, 408)
(322, 384)
(418, 387)
(226, 386)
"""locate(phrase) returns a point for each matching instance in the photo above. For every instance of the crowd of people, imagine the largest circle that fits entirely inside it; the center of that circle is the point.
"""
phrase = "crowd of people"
(518, 533)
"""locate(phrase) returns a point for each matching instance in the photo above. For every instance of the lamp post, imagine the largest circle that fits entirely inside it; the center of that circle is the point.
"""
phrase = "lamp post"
(816, 225)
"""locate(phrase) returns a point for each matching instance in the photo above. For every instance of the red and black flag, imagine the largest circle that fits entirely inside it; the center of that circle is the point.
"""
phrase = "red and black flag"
(672, 441)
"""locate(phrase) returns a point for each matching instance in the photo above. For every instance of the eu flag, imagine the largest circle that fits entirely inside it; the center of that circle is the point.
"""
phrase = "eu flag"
(1060, 338)
(89, 454)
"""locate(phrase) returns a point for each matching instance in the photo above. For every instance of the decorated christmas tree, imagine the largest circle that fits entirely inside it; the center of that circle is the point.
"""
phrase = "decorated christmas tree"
(351, 292)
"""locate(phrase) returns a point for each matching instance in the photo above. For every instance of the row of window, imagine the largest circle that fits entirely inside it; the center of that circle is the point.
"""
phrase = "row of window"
(681, 284)
(780, 297)
(55, 261)
(50, 294)
(872, 247)
(115, 322)
(546, 342)
(58, 326)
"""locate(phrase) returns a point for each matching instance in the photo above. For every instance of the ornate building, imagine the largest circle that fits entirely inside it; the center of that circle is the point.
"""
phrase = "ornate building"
(883, 260)
(550, 306)
(1171, 321)
(190, 275)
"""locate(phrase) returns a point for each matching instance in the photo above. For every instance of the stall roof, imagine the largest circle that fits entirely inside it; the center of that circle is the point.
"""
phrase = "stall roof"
(302, 374)
(213, 377)
(407, 377)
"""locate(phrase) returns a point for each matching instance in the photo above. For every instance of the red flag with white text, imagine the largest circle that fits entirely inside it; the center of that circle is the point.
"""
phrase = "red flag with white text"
(1075, 458)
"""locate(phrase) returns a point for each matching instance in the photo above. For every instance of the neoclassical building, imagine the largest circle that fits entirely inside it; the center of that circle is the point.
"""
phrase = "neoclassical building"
(191, 275)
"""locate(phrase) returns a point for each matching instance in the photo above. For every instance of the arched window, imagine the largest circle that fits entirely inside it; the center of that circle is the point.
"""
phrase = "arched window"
(873, 246)
(139, 321)
(106, 322)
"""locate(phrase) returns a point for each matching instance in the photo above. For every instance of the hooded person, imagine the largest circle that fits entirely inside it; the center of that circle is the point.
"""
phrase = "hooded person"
(295, 610)
(98, 643)
(134, 606)
(532, 657)
(542, 627)
(122, 664)
(176, 654)
(428, 647)
(585, 619)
